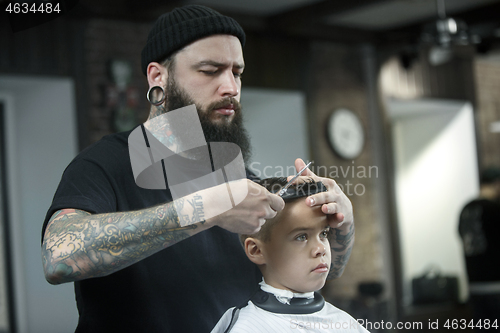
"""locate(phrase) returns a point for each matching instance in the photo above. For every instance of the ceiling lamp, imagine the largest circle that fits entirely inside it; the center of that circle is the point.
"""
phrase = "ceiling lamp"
(444, 33)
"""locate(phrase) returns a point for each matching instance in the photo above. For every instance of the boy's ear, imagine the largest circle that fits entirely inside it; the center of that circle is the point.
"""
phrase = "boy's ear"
(253, 249)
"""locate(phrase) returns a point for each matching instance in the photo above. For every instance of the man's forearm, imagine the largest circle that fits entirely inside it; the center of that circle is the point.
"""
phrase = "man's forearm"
(78, 245)
(341, 242)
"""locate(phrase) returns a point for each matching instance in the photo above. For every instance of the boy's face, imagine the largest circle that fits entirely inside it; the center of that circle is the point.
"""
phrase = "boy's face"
(297, 256)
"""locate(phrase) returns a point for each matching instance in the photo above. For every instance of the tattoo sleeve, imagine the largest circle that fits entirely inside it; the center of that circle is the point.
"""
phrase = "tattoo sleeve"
(78, 245)
(341, 242)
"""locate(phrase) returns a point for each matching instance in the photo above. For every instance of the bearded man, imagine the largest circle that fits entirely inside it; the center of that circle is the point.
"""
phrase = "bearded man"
(135, 266)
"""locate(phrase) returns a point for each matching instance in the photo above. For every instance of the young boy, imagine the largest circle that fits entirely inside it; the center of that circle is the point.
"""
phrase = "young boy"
(293, 253)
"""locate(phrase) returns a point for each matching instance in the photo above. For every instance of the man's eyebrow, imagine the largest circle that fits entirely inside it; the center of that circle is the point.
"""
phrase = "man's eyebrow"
(216, 64)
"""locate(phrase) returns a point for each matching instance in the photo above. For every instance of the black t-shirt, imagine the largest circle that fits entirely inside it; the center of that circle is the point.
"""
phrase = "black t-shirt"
(184, 288)
(479, 228)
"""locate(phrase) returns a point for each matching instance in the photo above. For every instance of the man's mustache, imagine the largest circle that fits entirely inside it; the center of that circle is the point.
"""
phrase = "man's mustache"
(225, 102)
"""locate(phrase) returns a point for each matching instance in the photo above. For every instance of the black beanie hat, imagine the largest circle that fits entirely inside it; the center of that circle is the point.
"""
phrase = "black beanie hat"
(174, 30)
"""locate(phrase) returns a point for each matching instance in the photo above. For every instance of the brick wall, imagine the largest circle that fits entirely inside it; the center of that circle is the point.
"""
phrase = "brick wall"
(106, 40)
(336, 81)
(487, 78)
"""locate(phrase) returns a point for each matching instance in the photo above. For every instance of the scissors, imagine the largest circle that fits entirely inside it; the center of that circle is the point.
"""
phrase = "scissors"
(283, 190)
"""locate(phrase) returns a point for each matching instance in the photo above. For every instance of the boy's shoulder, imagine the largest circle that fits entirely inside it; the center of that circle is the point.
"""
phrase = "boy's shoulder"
(250, 319)
(337, 320)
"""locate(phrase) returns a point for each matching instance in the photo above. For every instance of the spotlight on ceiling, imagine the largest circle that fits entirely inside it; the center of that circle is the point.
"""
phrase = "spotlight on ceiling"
(444, 33)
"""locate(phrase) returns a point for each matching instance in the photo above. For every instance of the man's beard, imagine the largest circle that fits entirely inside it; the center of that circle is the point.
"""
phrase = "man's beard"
(227, 131)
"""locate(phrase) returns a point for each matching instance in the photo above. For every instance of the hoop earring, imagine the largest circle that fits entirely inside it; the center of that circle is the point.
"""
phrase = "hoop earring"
(150, 99)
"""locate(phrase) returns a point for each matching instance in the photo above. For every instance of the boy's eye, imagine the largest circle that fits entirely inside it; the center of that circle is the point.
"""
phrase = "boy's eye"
(238, 75)
(302, 237)
(325, 233)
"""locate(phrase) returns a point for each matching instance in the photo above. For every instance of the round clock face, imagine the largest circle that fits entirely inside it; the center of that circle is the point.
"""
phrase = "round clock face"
(346, 134)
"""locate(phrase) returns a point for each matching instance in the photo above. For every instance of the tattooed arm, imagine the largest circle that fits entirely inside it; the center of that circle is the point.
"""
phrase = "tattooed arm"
(78, 245)
(341, 242)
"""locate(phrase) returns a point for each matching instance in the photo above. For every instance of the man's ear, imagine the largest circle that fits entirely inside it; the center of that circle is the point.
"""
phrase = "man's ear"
(157, 75)
(254, 250)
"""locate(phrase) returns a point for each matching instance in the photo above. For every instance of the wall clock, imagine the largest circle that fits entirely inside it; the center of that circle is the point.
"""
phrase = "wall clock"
(345, 133)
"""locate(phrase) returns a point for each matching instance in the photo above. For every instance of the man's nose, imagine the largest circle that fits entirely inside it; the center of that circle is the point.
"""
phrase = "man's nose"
(228, 85)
